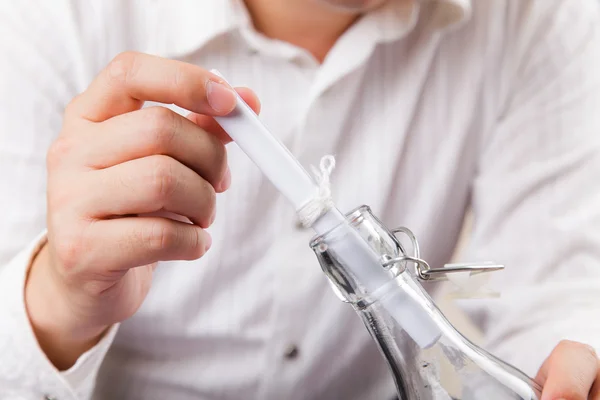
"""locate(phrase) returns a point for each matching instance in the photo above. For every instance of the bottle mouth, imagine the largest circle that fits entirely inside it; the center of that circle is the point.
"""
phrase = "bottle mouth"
(353, 218)
(372, 231)
(360, 238)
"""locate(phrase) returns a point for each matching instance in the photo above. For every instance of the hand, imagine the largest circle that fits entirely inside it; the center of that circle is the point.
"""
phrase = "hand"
(571, 372)
(112, 168)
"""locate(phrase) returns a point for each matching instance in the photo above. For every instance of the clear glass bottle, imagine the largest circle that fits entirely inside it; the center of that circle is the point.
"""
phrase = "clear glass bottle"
(428, 358)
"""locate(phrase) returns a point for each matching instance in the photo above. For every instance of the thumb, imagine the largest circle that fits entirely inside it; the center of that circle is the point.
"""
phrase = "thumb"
(569, 372)
(209, 124)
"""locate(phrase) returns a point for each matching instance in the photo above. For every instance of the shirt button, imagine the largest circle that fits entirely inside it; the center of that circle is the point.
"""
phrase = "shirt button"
(48, 397)
(291, 352)
(299, 225)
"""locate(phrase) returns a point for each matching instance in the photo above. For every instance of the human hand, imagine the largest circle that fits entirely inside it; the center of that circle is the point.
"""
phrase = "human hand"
(571, 372)
(112, 166)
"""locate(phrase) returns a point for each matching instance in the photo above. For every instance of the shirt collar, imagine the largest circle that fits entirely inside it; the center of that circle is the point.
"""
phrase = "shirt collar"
(190, 26)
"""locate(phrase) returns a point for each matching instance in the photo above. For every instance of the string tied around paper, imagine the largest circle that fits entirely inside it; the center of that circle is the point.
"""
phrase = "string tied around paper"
(322, 202)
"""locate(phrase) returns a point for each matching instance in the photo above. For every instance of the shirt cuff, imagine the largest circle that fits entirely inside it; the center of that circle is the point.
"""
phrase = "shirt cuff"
(25, 371)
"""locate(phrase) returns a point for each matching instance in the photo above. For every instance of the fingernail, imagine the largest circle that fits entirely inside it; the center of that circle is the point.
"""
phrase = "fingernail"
(208, 242)
(220, 97)
(226, 182)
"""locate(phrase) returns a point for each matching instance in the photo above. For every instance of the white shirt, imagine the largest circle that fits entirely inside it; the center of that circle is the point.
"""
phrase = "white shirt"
(430, 107)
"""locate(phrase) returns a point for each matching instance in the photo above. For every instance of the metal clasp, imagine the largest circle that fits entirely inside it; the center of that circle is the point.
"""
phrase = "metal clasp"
(426, 273)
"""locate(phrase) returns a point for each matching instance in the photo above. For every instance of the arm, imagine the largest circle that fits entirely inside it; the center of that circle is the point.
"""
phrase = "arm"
(39, 74)
(536, 199)
(111, 168)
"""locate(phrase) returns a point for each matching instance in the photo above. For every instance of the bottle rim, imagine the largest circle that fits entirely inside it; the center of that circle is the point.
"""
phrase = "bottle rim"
(353, 218)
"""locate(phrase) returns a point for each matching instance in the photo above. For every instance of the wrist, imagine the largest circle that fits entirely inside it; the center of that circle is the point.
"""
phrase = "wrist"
(60, 333)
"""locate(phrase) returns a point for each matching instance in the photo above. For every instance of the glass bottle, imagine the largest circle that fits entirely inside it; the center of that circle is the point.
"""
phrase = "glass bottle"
(428, 358)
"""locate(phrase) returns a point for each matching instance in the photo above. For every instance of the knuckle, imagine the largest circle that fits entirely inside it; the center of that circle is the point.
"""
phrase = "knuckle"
(179, 77)
(182, 84)
(162, 125)
(164, 181)
(197, 248)
(60, 198)
(71, 107)
(68, 250)
(120, 67)
(160, 236)
(58, 151)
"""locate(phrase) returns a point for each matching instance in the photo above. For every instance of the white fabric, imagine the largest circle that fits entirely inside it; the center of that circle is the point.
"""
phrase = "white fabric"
(428, 107)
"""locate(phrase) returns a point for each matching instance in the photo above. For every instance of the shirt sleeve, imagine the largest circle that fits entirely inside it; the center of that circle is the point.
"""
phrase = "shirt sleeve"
(42, 68)
(536, 197)
(25, 372)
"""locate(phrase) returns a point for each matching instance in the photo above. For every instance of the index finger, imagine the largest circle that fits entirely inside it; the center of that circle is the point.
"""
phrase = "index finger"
(133, 78)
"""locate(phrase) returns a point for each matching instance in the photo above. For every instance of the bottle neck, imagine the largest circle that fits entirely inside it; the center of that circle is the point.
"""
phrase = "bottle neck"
(448, 367)
(409, 337)
(429, 359)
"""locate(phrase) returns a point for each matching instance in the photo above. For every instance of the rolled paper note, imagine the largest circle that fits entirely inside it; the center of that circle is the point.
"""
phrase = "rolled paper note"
(291, 179)
(268, 153)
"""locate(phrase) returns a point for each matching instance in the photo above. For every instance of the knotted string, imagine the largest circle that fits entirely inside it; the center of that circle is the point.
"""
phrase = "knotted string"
(322, 202)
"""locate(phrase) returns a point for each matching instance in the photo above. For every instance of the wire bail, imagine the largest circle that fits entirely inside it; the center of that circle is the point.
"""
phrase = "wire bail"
(426, 273)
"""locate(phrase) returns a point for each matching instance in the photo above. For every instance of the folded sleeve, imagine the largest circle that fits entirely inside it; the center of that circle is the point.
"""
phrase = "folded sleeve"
(536, 197)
